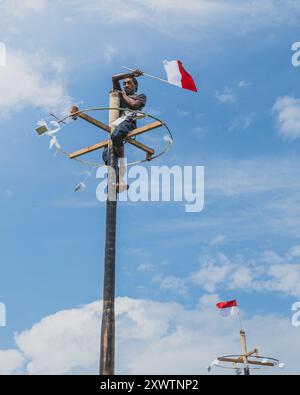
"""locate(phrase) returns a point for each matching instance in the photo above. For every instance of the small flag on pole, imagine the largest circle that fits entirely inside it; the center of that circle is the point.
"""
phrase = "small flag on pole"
(54, 142)
(228, 308)
(177, 75)
(79, 187)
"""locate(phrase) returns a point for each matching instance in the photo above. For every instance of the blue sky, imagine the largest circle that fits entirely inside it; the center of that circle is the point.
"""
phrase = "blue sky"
(243, 127)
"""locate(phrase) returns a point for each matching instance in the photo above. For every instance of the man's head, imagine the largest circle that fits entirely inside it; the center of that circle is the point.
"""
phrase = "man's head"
(130, 85)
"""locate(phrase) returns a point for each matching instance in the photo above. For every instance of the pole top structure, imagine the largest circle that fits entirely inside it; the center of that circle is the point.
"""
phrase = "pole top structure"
(247, 360)
(76, 113)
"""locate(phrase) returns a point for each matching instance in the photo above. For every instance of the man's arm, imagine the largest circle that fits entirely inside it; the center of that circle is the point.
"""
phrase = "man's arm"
(117, 77)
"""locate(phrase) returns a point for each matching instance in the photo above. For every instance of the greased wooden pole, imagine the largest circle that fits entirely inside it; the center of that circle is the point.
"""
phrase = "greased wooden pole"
(107, 346)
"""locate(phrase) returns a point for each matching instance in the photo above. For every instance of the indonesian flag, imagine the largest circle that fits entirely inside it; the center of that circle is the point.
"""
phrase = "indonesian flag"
(227, 308)
(177, 75)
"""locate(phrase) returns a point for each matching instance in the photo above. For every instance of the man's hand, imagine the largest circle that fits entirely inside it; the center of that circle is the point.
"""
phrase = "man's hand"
(137, 73)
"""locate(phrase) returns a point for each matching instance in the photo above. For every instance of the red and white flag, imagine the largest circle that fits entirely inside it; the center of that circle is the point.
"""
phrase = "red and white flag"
(228, 308)
(177, 75)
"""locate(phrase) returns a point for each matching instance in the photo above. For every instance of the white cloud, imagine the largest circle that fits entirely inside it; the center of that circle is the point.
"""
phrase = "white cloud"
(136, 252)
(252, 176)
(22, 8)
(209, 300)
(285, 211)
(198, 12)
(62, 342)
(284, 278)
(269, 273)
(151, 338)
(145, 267)
(142, 258)
(272, 10)
(294, 251)
(227, 96)
(22, 84)
(109, 53)
(219, 239)
(271, 257)
(178, 18)
(171, 283)
(159, 10)
(200, 131)
(211, 274)
(221, 272)
(241, 122)
(259, 196)
(287, 110)
(183, 113)
(241, 277)
(10, 361)
(243, 84)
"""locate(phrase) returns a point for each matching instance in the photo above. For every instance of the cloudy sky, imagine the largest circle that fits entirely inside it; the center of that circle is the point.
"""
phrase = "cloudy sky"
(172, 266)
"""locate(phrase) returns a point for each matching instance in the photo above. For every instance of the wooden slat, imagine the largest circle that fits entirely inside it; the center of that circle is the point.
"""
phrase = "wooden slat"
(86, 150)
(141, 146)
(94, 122)
(255, 351)
(103, 144)
(240, 360)
(145, 128)
(235, 360)
(261, 363)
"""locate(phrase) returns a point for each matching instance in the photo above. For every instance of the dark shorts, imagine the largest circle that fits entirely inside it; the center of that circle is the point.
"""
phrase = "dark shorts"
(119, 134)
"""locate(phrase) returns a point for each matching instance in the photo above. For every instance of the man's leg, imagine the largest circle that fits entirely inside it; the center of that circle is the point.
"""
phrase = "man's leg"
(118, 145)
(105, 156)
(121, 131)
(118, 136)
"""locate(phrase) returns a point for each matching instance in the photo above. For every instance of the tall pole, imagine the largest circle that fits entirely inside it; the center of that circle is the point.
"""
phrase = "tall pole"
(107, 346)
(244, 350)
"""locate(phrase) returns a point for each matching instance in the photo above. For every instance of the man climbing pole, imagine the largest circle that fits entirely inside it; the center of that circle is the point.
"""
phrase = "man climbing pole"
(134, 102)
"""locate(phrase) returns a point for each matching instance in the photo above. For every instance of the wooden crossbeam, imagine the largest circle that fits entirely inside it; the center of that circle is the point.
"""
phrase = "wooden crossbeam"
(254, 351)
(143, 147)
(76, 114)
(94, 122)
(86, 150)
(240, 360)
(145, 128)
(235, 360)
(103, 144)
(261, 363)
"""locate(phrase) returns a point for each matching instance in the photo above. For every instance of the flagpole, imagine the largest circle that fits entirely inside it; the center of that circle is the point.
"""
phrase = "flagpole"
(244, 346)
(148, 75)
(240, 320)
